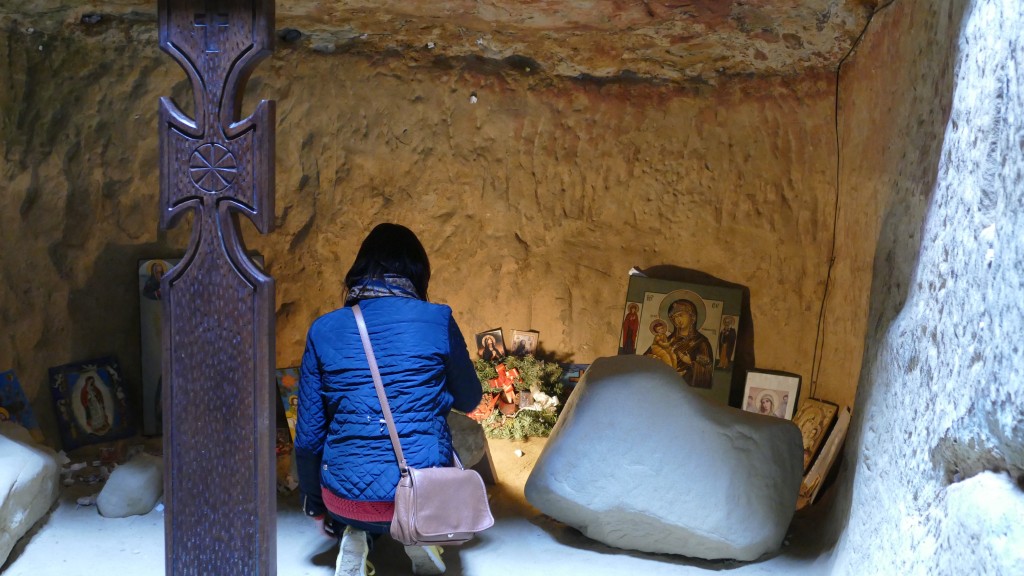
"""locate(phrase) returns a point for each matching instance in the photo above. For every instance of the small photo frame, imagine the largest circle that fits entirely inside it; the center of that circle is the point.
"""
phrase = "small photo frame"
(90, 402)
(771, 392)
(524, 342)
(490, 345)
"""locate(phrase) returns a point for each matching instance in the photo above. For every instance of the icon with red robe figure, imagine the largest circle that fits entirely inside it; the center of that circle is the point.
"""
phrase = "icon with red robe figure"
(630, 328)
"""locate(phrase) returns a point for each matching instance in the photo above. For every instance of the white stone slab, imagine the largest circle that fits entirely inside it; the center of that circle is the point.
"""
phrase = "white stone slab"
(639, 461)
(29, 484)
(133, 488)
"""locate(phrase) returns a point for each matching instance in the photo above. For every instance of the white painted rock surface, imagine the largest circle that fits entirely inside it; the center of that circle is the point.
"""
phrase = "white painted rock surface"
(29, 484)
(133, 488)
(641, 462)
(938, 432)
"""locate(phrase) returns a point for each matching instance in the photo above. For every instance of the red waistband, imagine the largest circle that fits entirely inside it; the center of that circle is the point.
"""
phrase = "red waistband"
(358, 510)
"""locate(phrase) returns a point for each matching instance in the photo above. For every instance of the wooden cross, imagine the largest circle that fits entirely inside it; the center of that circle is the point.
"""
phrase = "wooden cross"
(218, 20)
(218, 346)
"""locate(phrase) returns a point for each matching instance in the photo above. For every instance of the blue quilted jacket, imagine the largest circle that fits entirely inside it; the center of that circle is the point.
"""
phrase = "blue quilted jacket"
(341, 437)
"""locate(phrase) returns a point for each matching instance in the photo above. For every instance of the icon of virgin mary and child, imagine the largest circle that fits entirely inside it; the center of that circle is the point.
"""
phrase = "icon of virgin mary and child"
(684, 348)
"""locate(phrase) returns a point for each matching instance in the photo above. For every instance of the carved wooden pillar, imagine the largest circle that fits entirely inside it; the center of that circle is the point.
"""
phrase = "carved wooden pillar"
(218, 348)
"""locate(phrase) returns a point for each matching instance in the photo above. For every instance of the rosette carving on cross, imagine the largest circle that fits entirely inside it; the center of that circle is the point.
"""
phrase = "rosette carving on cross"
(217, 163)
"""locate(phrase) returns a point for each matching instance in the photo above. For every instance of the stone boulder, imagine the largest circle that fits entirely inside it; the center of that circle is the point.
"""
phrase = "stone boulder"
(133, 488)
(639, 461)
(468, 438)
(29, 484)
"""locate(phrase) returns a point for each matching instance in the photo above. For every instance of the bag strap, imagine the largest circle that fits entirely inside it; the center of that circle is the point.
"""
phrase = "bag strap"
(361, 323)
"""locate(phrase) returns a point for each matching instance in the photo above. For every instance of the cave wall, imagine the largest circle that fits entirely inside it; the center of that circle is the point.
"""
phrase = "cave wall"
(533, 202)
(932, 482)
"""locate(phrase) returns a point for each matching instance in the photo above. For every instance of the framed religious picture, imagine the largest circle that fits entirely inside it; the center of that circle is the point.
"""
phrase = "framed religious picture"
(815, 477)
(814, 418)
(288, 389)
(490, 345)
(90, 403)
(524, 342)
(690, 327)
(771, 392)
(151, 334)
(14, 406)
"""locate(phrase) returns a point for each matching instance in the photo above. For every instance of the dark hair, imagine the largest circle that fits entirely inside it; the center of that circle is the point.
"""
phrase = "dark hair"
(391, 249)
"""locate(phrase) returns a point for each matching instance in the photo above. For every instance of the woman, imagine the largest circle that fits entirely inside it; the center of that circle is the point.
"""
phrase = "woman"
(347, 466)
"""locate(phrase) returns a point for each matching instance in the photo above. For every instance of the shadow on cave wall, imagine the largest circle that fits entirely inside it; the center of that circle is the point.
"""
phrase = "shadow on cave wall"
(104, 314)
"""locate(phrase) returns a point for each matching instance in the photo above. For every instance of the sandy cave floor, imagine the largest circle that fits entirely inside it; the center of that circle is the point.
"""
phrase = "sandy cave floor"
(76, 541)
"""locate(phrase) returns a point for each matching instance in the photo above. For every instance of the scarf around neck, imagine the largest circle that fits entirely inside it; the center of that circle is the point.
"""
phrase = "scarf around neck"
(390, 285)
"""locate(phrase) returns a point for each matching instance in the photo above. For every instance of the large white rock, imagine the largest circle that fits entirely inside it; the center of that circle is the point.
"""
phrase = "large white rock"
(29, 484)
(639, 461)
(985, 510)
(133, 488)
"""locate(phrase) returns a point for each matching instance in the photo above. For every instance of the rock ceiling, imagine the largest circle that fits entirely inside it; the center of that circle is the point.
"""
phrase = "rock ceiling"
(661, 40)
(669, 40)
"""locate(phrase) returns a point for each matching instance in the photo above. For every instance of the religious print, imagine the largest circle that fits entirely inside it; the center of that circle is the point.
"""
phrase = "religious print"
(630, 328)
(815, 477)
(490, 345)
(771, 393)
(151, 313)
(288, 389)
(814, 418)
(90, 403)
(682, 324)
(571, 374)
(285, 469)
(727, 341)
(14, 406)
(524, 342)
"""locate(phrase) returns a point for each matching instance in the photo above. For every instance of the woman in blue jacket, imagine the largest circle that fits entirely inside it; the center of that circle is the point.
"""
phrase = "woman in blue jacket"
(347, 467)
